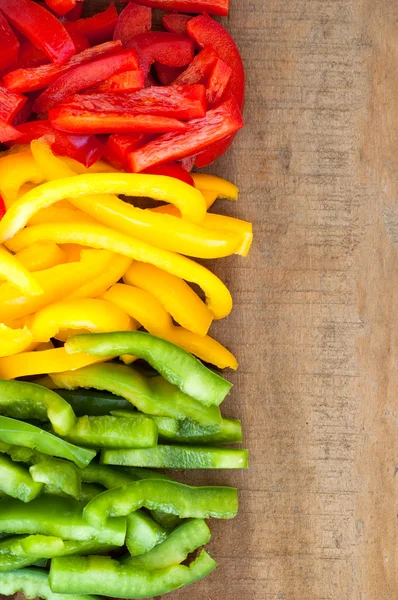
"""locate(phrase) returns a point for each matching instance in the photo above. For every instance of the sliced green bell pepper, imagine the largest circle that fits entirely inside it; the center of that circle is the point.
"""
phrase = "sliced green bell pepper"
(114, 432)
(34, 584)
(23, 400)
(143, 533)
(175, 364)
(29, 436)
(93, 402)
(90, 491)
(16, 481)
(61, 473)
(168, 496)
(109, 477)
(102, 575)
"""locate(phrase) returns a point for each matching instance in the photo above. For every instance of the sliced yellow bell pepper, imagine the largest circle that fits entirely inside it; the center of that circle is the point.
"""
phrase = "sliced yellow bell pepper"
(62, 211)
(56, 283)
(148, 311)
(98, 286)
(98, 167)
(168, 209)
(87, 314)
(177, 297)
(225, 189)
(17, 275)
(73, 252)
(243, 229)
(43, 362)
(13, 341)
(218, 296)
(16, 169)
(42, 255)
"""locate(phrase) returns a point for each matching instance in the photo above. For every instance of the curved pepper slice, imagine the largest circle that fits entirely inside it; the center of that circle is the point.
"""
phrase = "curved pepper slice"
(175, 364)
(29, 436)
(14, 556)
(94, 315)
(143, 533)
(15, 170)
(173, 293)
(33, 583)
(107, 476)
(24, 400)
(225, 189)
(113, 432)
(17, 275)
(62, 474)
(98, 286)
(154, 396)
(169, 496)
(186, 538)
(148, 311)
(13, 341)
(93, 402)
(188, 200)
(57, 516)
(98, 236)
(16, 481)
(42, 255)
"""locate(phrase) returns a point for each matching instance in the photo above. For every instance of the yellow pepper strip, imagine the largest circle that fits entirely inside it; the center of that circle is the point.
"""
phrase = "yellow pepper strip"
(98, 286)
(148, 311)
(73, 252)
(13, 341)
(218, 296)
(243, 229)
(99, 167)
(93, 315)
(43, 362)
(225, 189)
(168, 209)
(57, 283)
(15, 170)
(17, 275)
(42, 255)
(179, 300)
(62, 211)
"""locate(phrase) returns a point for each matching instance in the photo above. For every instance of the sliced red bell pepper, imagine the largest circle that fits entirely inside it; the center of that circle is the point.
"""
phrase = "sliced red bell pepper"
(7, 132)
(9, 44)
(61, 7)
(10, 104)
(23, 114)
(166, 74)
(75, 13)
(188, 163)
(80, 121)
(29, 56)
(41, 27)
(118, 147)
(178, 102)
(166, 48)
(171, 170)
(85, 76)
(211, 7)
(200, 68)
(129, 81)
(96, 29)
(176, 23)
(133, 19)
(218, 81)
(2, 208)
(219, 123)
(28, 80)
(84, 148)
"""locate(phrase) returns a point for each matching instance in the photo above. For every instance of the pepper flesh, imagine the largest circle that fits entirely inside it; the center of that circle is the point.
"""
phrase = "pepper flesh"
(93, 402)
(33, 583)
(60, 473)
(175, 364)
(15, 171)
(98, 28)
(132, 20)
(17, 275)
(42, 255)
(16, 481)
(13, 341)
(143, 533)
(10, 44)
(113, 432)
(166, 48)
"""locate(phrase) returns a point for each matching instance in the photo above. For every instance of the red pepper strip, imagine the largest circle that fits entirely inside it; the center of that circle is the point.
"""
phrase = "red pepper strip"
(75, 13)
(30, 56)
(10, 104)
(166, 74)
(171, 170)
(84, 148)
(178, 102)
(28, 80)
(218, 82)
(61, 7)
(176, 23)
(80, 121)
(9, 44)
(166, 48)
(132, 20)
(200, 68)
(219, 123)
(23, 114)
(129, 81)
(118, 147)
(97, 29)
(41, 27)
(83, 77)
(7, 132)
(2, 208)
(211, 7)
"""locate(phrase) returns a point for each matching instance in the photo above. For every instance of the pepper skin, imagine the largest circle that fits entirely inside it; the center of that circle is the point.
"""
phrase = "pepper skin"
(13, 341)
(16, 481)
(113, 432)
(17, 275)
(16, 170)
(62, 474)
(40, 256)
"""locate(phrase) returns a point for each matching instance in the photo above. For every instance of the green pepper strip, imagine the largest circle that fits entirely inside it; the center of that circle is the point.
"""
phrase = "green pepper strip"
(154, 396)
(177, 457)
(114, 432)
(57, 516)
(33, 583)
(191, 432)
(93, 402)
(175, 364)
(186, 538)
(102, 575)
(28, 436)
(17, 453)
(143, 533)
(168, 496)
(23, 400)
(16, 481)
(61, 473)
